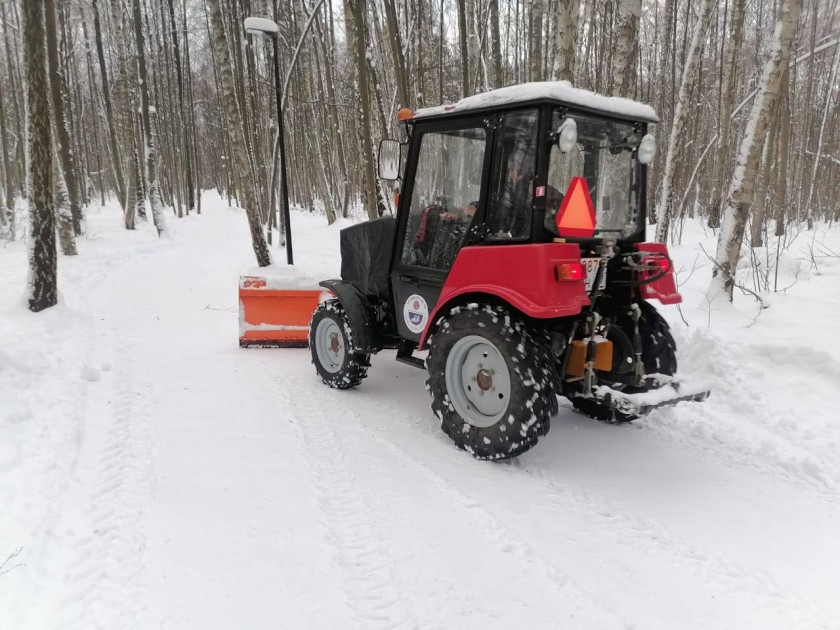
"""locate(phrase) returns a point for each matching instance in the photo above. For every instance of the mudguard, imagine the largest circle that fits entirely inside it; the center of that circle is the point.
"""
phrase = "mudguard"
(359, 312)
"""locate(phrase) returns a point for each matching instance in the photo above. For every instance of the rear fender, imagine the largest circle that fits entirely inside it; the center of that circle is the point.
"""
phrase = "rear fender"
(522, 277)
(359, 312)
(663, 289)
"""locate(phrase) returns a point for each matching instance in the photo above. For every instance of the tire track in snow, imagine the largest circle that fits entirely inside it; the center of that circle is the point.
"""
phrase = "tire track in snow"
(372, 590)
(104, 572)
(594, 613)
(625, 528)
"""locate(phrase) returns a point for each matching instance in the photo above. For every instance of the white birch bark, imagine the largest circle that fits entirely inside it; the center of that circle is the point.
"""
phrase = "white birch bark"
(565, 39)
(626, 48)
(741, 190)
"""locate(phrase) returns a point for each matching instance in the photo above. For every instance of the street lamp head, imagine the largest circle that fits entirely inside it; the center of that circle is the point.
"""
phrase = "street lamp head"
(261, 26)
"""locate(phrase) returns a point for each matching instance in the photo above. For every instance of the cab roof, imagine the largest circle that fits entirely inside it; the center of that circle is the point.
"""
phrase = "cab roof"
(560, 92)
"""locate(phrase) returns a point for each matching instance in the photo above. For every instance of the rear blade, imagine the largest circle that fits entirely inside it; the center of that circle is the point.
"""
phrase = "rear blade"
(660, 390)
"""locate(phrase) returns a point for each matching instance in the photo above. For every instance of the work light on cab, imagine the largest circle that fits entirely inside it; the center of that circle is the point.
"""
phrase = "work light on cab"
(647, 149)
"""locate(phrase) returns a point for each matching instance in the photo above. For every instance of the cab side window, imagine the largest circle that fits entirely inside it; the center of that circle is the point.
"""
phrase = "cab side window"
(447, 186)
(509, 209)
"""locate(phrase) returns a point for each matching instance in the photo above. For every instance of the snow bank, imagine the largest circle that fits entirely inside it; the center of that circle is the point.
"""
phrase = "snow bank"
(559, 90)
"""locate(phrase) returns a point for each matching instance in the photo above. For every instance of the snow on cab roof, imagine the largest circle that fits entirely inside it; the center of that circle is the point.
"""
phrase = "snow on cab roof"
(553, 90)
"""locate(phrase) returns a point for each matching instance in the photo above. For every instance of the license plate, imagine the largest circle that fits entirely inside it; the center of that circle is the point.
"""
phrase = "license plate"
(591, 265)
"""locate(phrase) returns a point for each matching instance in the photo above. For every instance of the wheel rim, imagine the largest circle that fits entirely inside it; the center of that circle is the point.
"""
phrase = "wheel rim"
(478, 381)
(329, 345)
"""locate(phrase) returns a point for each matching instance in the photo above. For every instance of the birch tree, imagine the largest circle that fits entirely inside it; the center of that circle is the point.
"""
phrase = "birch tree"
(741, 190)
(565, 39)
(626, 49)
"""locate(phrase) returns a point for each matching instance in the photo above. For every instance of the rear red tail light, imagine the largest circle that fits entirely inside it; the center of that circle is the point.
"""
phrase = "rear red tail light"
(569, 271)
(663, 263)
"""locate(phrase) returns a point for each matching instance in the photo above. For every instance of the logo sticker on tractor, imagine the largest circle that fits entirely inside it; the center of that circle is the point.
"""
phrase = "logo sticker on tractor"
(415, 313)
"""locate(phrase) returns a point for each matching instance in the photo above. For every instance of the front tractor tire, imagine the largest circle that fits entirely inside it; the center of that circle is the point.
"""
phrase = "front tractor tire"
(659, 356)
(492, 383)
(331, 346)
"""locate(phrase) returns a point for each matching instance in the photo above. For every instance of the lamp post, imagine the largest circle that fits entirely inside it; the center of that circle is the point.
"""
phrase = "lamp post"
(264, 26)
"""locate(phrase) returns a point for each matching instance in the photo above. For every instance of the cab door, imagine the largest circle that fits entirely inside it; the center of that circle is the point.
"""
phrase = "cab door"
(445, 190)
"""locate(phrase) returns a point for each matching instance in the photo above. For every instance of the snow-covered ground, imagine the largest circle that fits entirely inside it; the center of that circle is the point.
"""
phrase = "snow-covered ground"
(154, 475)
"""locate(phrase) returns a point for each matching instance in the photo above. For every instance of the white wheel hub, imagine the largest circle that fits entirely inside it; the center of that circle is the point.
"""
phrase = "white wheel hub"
(478, 381)
(329, 345)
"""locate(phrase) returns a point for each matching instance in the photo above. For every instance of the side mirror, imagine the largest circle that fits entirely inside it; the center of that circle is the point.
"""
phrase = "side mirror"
(647, 149)
(389, 160)
(567, 135)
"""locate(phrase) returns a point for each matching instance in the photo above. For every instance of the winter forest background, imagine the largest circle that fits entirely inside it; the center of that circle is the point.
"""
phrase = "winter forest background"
(152, 101)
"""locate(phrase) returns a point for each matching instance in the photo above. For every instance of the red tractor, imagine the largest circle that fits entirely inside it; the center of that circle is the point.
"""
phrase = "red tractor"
(518, 260)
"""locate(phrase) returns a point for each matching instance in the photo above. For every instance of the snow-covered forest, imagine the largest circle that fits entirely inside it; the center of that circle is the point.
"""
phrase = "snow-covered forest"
(139, 95)
(153, 474)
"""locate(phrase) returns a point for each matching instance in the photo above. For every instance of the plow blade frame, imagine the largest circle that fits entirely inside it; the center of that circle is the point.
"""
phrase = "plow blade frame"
(661, 391)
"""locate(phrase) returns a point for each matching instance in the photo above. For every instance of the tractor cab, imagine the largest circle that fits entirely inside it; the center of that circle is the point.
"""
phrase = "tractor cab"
(525, 206)
(495, 169)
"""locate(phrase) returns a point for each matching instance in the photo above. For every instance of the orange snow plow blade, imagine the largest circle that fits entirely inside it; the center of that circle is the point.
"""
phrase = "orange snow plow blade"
(274, 317)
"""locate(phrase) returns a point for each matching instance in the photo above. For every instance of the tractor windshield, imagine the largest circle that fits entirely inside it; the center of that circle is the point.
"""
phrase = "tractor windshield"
(605, 156)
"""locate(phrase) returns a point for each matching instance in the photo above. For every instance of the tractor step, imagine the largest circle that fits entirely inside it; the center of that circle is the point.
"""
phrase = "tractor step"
(660, 390)
(405, 354)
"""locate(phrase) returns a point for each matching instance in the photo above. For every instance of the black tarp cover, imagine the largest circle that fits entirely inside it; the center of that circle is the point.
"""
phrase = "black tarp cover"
(366, 255)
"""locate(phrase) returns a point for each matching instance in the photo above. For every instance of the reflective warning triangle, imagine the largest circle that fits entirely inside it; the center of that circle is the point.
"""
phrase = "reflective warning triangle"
(576, 216)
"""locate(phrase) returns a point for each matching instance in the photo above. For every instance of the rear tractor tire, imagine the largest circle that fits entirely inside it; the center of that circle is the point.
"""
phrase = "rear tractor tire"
(331, 346)
(492, 382)
(659, 355)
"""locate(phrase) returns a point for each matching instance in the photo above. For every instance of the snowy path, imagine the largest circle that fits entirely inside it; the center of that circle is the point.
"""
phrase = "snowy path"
(160, 477)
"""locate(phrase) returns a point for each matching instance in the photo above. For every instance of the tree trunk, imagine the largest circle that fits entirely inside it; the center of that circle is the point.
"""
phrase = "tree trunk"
(827, 106)
(496, 80)
(730, 70)
(9, 190)
(676, 140)
(626, 47)
(535, 38)
(356, 39)
(237, 131)
(43, 285)
(123, 116)
(565, 39)
(397, 53)
(741, 190)
(189, 188)
(462, 41)
(57, 91)
(146, 112)
(66, 237)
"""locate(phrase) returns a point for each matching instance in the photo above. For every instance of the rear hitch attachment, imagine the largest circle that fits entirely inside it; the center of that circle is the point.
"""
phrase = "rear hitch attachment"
(638, 363)
(659, 390)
